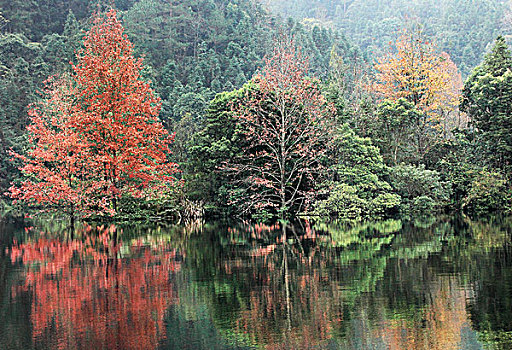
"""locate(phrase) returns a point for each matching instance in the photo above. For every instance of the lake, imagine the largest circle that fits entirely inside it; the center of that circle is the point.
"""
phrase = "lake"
(429, 283)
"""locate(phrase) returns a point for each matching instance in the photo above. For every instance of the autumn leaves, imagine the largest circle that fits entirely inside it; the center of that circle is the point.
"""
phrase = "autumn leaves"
(285, 123)
(430, 81)
(95, 136)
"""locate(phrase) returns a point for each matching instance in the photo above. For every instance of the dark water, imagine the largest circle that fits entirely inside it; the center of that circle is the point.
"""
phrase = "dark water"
(443, 283)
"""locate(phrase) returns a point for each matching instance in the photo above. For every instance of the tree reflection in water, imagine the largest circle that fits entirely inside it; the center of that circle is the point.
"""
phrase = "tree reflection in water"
(424, 284)
(86, 295)
(388, 285)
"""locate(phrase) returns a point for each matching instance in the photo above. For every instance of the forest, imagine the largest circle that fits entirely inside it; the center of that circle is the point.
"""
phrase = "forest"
(256, 174)
(351, 110)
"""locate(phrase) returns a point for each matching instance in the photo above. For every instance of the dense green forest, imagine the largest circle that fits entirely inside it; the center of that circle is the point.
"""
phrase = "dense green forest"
(371, 118)
(464, 29)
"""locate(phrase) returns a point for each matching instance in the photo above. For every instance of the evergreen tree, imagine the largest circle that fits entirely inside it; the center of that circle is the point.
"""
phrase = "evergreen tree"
(499, 60)
(487, 98)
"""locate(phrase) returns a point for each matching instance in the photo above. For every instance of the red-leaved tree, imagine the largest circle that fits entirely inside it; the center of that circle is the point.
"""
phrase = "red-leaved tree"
(96, 136)
(285, 119)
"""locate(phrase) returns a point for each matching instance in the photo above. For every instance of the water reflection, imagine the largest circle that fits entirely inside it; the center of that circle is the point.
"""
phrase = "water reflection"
(442, 283)
(85, 294)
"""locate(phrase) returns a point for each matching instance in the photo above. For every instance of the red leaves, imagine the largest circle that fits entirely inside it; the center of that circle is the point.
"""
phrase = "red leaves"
(285, 120)
(88, 295)
(96, 135)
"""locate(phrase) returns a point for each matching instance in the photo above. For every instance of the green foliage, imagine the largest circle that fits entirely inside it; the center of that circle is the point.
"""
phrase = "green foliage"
(498, 61)
(218, 141)
(39, 18)
(395, 131)
(458, 163)
(421, 190)
(489, 191)
(475, 188)
(356, 188)
(487, 98)
(203, 41)
(462, 28)
(343, 202)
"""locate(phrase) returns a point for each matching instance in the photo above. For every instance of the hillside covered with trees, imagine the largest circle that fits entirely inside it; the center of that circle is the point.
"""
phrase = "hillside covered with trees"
(464, 29)
(152, 108)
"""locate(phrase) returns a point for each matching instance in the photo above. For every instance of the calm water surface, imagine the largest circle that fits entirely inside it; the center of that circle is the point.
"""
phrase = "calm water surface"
(439, 283)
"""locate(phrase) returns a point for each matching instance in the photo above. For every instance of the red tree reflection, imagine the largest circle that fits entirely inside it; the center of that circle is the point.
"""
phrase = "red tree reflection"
(89, 294)
(290, 303)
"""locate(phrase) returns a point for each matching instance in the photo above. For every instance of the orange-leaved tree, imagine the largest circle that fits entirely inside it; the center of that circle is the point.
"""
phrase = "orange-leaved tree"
(95, 136)
(427, 79)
